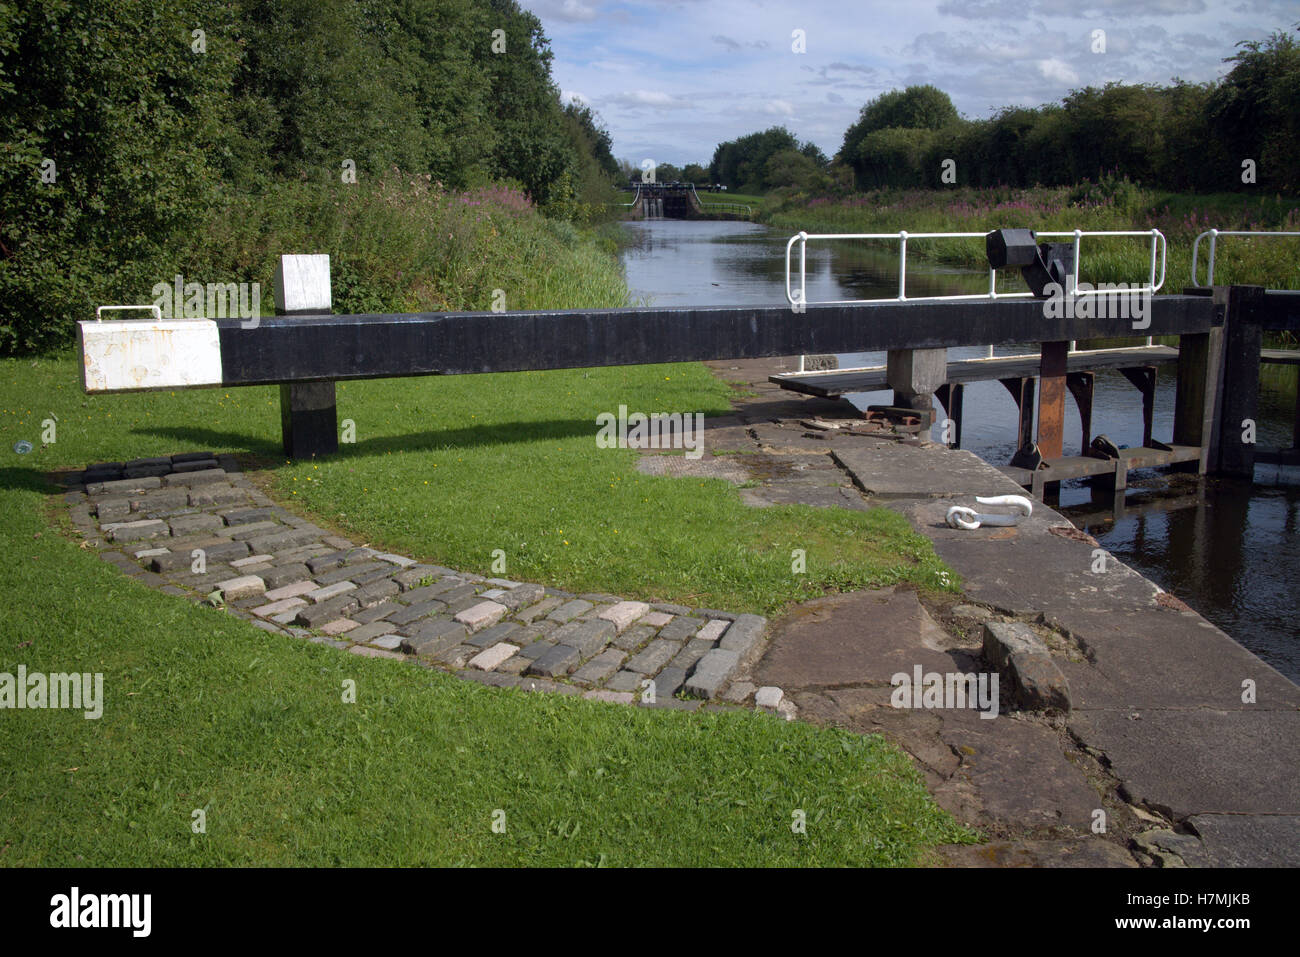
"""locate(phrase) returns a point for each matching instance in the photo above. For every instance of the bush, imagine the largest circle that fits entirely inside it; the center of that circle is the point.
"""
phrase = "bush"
(1111, 190)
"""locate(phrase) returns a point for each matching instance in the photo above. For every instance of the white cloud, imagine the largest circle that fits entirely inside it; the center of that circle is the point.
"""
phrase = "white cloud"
(568, 96)
(1057, 71)
(573, 11)
(653, 98)
(779, 108)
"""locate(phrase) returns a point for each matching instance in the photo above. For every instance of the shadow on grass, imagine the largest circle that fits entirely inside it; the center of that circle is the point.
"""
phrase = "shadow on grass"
(478, 436)
(32, 478)
(269, 454)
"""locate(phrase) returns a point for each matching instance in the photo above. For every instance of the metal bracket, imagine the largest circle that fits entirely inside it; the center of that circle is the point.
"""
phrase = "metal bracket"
(157, 313)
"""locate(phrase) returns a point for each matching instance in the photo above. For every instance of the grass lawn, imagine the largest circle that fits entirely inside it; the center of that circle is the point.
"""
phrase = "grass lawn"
(204, 711)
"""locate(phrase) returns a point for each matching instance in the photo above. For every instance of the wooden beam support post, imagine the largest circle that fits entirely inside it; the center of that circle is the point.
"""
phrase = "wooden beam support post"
(1196, 395)
(1143, 378)
(308, 410)
(914, 375)
(1022, 392)
(1242, 340)
(1051, 400)
(1082, 387)
(950, 396)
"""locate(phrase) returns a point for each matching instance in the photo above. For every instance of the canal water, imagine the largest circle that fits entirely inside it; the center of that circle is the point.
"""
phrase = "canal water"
(1228, 549)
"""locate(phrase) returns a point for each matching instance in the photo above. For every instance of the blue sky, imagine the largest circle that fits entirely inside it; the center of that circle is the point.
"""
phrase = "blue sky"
(673, 78)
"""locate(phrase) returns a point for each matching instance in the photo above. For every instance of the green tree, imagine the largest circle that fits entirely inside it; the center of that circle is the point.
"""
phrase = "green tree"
(896, 156)
(742, 164)
(525, 111)
(695, 173)
(793, 169)
(153, 128)
(916, 107)
(1191, 150)
(113, 129)
(594, 136)
(1115, 129)
(1255, 112)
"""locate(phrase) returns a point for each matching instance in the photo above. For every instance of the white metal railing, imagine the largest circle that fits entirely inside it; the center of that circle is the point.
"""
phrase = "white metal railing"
(157, 312)
(1214, 235)
(1158, 246)
(1159, 253)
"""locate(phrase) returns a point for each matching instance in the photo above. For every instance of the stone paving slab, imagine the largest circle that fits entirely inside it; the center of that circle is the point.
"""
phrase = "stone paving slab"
(357, 574)
(570, 610)
(278, 576)
(377, 612)
(412, 613)
(588, 637)
(555, 660)
(376, 592)
(1192, 761)
(823, 643)
(245, 586)
(1027, 569)
(493, 657)
(313, 616)
(480, 615)
(1232, 840)
(711, 673)
(541, 608)
(534, 650)
(622, 614)
(329, 591)
(635, 637)
(600, 667)
(690, 654)
(1158, 657)
(368, 632)
(1020, 771)
(681, 628)
(250, 530)
(902, 471)
(490, 636)
(669, 681)
(442, 631)
(656, 655)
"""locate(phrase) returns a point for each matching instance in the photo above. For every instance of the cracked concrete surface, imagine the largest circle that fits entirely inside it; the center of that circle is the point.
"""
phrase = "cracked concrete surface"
(1162, 738)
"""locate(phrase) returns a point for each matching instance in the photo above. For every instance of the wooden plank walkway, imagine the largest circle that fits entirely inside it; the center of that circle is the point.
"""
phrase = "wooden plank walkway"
(843, 381)
(1083, 466)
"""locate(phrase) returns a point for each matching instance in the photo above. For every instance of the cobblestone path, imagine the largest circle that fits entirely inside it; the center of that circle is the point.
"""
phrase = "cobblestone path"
(193, 526)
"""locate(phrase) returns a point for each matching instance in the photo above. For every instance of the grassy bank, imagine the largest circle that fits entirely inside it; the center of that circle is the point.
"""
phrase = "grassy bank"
(204, 711)
(756, 203)
(1109, 205)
